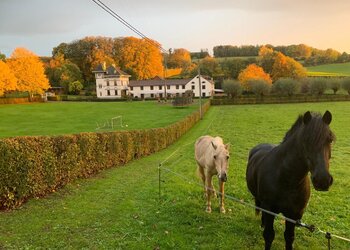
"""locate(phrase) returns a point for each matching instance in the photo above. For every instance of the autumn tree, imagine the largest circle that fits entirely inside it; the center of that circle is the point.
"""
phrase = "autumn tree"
(266, 58)
(253, 72)
(180, 58)
(287, 67)
(140, 58)
(29, 71)
(8, 81)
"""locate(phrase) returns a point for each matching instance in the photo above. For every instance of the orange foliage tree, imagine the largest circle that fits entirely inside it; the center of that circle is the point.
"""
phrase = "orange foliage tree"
(8, 81)
(253, 72)
(287, 67)
(139, 57)
(29, 71)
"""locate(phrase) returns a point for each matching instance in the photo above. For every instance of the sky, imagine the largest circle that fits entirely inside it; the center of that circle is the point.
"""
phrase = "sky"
(41, 25)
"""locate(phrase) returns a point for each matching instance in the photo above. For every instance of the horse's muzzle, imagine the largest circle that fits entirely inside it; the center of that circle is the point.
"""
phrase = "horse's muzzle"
(322, 184)
(223, 177)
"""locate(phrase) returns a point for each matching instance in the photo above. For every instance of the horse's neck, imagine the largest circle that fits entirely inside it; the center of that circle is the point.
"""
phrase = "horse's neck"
(294, 163)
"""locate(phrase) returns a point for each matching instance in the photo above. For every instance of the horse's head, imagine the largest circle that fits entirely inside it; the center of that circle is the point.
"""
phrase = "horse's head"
(221, 157)
(317, 138)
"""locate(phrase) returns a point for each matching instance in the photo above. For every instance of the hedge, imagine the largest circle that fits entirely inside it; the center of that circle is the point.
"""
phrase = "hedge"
(34, 166)
(279, 99)
(20, 100)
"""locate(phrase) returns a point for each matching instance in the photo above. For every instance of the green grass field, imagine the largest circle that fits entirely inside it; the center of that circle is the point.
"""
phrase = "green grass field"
(120, 209)
(336, 69)
(57, 118)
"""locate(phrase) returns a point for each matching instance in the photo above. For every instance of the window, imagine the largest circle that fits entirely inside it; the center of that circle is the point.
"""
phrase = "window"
(203, 94)
(160, 95)
(100, 93)
(100, 86)
(115, 83)
(142, 96)
(107, 83)
(151, 87)
(193, 87)
(131, 88)
(160, 87)
(177, 86)
(116, 92)
(193, 82)
(203, 81)
(141, 87)
(183, 86)
(203, 86)
(168, 87)
(132, 95)
(108, 92)
(152, 95)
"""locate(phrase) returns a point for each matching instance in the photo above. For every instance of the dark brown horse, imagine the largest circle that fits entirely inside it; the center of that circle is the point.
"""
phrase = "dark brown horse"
(277, 176)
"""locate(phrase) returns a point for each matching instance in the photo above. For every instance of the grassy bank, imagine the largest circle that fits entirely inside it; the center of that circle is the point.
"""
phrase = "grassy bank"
(120, 209)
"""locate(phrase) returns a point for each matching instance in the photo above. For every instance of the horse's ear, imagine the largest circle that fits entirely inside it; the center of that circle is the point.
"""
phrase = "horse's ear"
(213, 144)
(307, 117)
(327, 117)
(227, 146)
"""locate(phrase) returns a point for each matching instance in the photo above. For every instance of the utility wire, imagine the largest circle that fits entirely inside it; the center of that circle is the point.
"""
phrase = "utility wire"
(128, 25)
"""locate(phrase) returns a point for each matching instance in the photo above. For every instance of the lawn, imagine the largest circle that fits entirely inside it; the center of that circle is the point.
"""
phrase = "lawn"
(335, 69)
(120, 208)
(58, 118)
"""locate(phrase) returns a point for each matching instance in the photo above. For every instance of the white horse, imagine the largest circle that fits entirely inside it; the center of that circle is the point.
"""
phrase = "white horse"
(212, 158)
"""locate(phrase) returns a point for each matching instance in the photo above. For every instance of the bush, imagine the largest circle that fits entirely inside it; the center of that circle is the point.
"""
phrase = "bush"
(232, 88)
(259, 87)
(37, 165)
(305, 85)
(334, 84)
(286, 87)
(346, 84)
(318, 86)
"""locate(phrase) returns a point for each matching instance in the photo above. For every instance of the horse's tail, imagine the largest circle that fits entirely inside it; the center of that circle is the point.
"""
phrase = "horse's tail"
(257, 203)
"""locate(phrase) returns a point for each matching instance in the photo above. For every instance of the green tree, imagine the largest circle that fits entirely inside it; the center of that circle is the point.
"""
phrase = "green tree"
(75, 87)
(232, 88)
(286, 87)
(2, 56)
(210, 66)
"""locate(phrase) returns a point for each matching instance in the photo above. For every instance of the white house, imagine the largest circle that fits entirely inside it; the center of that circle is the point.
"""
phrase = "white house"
(111, 82)
(114, 83)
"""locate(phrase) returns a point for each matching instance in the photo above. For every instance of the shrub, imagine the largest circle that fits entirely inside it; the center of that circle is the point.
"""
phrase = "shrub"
(232, 88)
(334, 84)
(346, 84)
(318, 86)
(259, 87)
(286, 86)
(305, 85)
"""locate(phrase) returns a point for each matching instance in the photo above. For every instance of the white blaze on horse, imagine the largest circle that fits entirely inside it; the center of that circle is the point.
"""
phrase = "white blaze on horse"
(212, 158)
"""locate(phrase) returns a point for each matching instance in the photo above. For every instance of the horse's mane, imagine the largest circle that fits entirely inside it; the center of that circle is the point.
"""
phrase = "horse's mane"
(316, 132)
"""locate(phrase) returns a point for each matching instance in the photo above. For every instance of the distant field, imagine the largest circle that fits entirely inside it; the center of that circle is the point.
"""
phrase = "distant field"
(74, 117)
(235, 57)
(336, 69)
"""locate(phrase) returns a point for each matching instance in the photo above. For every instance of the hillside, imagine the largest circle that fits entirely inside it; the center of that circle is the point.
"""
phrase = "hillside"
(336, 69)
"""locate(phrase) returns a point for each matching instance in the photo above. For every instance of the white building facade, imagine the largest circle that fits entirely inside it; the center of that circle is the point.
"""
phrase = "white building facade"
(114, 83)
(111, 83)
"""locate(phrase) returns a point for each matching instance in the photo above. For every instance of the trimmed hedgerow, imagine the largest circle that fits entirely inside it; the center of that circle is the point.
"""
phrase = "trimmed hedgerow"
(37, 165)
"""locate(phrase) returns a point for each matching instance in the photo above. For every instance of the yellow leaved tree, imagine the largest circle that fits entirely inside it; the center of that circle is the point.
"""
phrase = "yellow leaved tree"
(29, 71)
(253, 72)
(8, 81)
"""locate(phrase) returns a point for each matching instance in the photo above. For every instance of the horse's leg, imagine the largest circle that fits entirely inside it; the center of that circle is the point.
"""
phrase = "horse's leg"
(208, 186)
(202, 175)
(269, 232)
(289, 235)
(222, 196)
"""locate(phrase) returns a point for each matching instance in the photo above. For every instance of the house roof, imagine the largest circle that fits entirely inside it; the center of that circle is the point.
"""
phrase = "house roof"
(111, 70)
(158, 82)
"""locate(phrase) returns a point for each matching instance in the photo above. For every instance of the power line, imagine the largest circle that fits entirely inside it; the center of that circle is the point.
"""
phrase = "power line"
(128, 25)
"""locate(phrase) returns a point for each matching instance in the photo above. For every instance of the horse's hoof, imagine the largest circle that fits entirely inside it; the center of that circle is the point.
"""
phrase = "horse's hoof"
(208, 210)
(222, 210)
